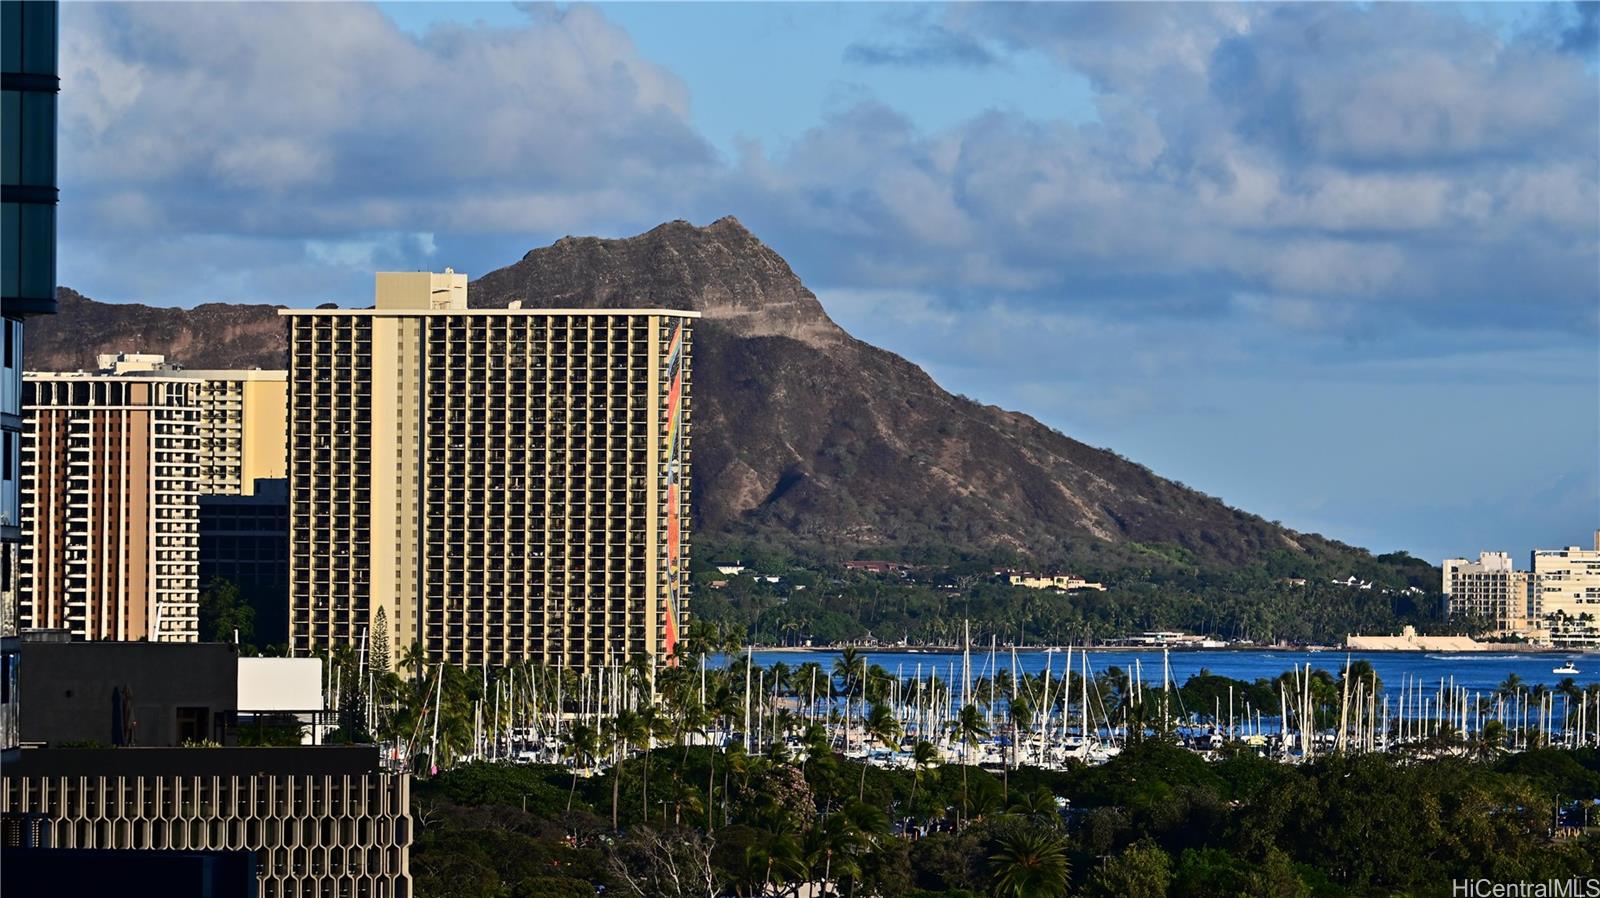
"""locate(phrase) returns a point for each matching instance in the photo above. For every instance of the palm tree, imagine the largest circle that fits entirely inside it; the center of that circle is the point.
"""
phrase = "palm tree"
(414, 660)
(651, 724)
(804, 676)
(1030, 863)
(1021, 714)
(623, 732)
(970, 730)
(779, 858)
(1361, 671)
(832, 845)
(780, 678)
(578, 744)
(850, 660)
(1510, 685)
(817, 745)
(1490, 739)
(923, 756)
(1039, 806)
(882, 727)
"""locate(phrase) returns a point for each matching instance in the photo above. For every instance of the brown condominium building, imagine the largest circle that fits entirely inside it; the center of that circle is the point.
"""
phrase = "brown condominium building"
(113, 464)
(110, 483)
(494, 485)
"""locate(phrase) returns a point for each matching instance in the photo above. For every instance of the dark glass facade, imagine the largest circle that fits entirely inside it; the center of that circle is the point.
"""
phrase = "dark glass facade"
(28, 219)
(29, 84)
(28, 69)
(245, 539)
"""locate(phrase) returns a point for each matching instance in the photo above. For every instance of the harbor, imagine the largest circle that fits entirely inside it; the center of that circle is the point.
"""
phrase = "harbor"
(1001, 706)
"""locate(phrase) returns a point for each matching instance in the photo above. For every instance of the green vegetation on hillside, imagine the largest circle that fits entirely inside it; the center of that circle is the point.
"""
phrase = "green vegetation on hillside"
(1281, 599)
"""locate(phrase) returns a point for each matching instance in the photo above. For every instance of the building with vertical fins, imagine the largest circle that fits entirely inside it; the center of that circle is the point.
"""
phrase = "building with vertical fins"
(111, 485)
(494, 485)
(323, 820)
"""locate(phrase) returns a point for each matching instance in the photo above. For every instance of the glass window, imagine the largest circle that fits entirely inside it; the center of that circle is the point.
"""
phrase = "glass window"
(38, 38)
(11, 36)
(10, 264)
(11, 123)
(39, 247)
(38, 139)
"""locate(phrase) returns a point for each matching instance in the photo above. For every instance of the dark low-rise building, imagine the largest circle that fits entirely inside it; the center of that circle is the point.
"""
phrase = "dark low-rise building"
(127, 693)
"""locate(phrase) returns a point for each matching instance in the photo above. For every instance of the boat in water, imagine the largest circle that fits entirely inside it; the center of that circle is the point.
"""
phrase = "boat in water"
(1569, 669)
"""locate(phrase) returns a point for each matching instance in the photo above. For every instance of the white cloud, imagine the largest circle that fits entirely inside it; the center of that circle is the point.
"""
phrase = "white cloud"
(1367, 163)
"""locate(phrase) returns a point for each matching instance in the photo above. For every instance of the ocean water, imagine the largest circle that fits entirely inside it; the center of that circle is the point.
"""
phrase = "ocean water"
(1473, 670)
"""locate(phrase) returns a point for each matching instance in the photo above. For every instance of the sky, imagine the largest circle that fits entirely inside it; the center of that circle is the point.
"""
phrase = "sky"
(1336, 264)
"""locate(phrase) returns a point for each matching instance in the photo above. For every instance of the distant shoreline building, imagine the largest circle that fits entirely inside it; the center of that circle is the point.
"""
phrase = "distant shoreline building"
(1410, 641)
(1059, 582)
(1568, 588)
(1557, 602)
(1490, 589)
(494, 485)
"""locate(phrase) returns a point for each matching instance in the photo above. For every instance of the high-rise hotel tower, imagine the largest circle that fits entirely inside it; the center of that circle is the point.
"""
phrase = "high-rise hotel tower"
(494, 485)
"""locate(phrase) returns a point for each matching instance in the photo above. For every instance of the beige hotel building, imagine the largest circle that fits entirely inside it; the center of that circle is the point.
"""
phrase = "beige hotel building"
(496, 485)
(1489, 589)
(1556, 603)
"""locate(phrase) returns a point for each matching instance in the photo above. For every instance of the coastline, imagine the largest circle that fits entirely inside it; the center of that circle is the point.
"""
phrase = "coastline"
(1484, 648)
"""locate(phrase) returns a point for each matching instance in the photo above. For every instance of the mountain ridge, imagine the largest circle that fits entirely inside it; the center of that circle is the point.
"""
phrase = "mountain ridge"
(804, 435)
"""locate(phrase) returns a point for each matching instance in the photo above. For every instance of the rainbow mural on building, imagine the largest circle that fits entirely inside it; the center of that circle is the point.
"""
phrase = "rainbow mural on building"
(671, 473)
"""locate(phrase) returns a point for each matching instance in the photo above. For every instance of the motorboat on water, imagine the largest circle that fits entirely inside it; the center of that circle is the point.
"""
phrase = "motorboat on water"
(1569, 669)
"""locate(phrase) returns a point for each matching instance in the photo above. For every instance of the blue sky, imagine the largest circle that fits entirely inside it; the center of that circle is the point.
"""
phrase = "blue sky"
(1336, 264)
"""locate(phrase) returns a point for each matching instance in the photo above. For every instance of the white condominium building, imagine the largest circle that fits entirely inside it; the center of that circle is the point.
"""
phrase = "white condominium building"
(1568, 585)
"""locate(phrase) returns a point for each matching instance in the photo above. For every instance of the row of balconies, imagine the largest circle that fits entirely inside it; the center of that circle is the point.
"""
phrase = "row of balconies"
(482, 331)
(502, 423)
